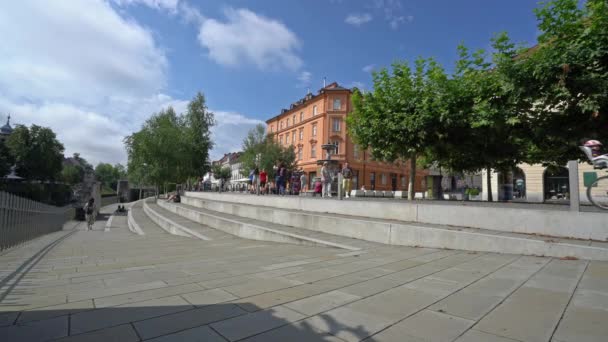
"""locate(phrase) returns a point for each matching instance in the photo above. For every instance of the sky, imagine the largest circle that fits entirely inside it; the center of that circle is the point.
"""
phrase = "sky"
(95, 70)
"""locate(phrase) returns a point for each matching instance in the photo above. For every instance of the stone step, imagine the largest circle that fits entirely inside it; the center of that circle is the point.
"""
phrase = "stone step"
(395, 232)
(144, 224)
(260, 230)
(178, 225)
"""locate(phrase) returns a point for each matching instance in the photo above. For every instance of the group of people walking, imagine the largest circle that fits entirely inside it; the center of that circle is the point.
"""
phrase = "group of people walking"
(286, 182)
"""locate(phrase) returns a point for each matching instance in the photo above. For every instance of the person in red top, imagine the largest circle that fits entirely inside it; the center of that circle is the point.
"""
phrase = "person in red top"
(263, 178)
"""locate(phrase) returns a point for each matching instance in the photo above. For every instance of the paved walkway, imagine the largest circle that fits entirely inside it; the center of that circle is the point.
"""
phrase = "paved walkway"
(115, 285)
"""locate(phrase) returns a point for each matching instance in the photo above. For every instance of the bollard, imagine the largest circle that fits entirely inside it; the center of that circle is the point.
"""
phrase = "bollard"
(573, 180)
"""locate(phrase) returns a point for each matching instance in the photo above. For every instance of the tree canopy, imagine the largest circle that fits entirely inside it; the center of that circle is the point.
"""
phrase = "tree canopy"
(497, 109)
(37, 153)
(271, 153)
(171, 148)
(109, 175)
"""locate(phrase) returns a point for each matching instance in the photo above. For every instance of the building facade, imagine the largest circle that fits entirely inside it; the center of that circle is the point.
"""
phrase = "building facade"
(320, 119)
(6, 130)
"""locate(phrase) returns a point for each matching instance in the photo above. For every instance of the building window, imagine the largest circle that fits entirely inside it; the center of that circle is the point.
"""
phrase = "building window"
(301, 134)
(356, 151)
(294, 119)
(293, 137)
(271, 129)
(281, 124)
(337, 144)
(287, 125)
(403, 182)
(383, 178)
(281, 139)
(337, 104)
(313, 151)
(372, 178)
(300, 153)
(335, 124)
(314, 130)
(314, 110)
(301, 116)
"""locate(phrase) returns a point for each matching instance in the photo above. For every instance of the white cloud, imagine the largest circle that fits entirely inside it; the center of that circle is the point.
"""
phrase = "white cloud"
(246, 37)
(170, 5)
(393, 12)
(304, 79)
(369, 68)
(77, 51)
(174, 7)
(358, 19)
(230, 130)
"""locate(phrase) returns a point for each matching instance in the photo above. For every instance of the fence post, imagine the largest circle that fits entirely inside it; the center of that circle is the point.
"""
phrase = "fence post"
(573, 180)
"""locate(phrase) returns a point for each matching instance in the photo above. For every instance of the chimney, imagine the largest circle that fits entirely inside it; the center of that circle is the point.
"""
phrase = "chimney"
(324, 81)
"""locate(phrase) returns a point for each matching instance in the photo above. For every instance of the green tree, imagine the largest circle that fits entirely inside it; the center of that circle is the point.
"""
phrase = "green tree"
(221, 173)
(257, 142)
(37, 152)
(567, 76)
(6, 160)
(107, 174)
(398, 119)
(198, 121)
(72, 174)
(171, 148)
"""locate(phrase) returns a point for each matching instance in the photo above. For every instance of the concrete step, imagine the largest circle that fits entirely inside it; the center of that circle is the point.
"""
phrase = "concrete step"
(140, 223)
(261, 230)
(178, 225)
(395, 232)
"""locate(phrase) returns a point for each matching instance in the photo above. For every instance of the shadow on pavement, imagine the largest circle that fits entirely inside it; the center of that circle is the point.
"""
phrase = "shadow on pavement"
(215, 322)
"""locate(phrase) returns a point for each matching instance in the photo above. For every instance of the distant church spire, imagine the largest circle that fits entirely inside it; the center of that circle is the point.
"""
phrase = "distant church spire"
(8, 120)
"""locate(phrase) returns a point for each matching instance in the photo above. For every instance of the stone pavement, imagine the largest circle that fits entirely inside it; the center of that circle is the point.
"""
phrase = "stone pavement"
(114, 285)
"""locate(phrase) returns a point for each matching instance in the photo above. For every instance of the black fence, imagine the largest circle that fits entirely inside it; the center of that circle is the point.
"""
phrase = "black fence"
(55, 194)
(22, 219)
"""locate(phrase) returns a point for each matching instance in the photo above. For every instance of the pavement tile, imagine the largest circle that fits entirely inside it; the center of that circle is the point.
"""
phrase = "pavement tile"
(36, 331)
(583, 325)
(208, 297)
(107, 317)
(54, 311)
(480, 336)
(121, 333)
(198, 334)
(254, 323)
(296, 332)
(326, 301)
(186, 319)
(426, 325)
(145, 295)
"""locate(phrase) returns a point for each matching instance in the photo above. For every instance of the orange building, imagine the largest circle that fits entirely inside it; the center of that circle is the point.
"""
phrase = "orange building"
(320, 119)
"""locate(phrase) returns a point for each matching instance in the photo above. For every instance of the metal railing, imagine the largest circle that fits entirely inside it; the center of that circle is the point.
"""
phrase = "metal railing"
(22, 219)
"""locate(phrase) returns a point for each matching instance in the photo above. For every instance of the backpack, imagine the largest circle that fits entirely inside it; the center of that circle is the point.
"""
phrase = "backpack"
(88, 210)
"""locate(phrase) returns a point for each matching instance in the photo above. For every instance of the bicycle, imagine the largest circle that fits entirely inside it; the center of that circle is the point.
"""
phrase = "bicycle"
(597, 192)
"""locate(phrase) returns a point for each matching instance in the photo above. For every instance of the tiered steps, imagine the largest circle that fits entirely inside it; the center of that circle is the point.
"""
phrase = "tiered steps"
(239, 219)
(178, 225)
(261, 230)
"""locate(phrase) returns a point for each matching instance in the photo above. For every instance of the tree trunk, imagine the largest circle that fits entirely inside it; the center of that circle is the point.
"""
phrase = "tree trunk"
(489, 183)
(410, 190)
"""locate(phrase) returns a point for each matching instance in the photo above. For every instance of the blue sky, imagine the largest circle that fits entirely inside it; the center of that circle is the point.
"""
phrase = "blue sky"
(94, 70)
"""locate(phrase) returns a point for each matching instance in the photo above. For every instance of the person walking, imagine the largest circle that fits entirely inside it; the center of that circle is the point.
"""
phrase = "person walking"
(347, 175)
(282, 178)
(90, 212)
(326, 180)
(263, 179)
(303, 182)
